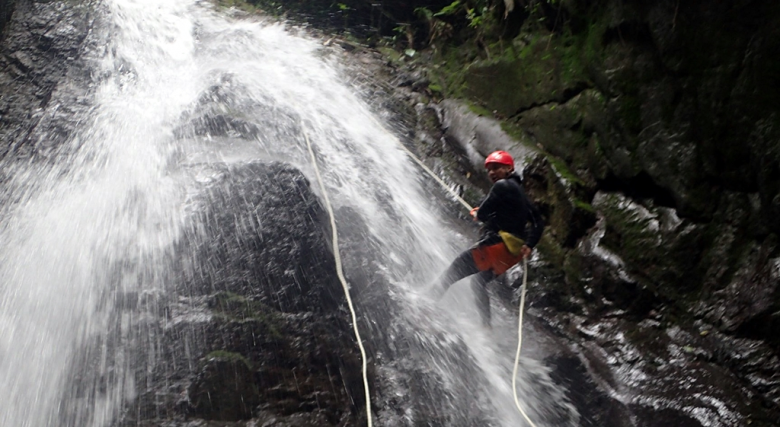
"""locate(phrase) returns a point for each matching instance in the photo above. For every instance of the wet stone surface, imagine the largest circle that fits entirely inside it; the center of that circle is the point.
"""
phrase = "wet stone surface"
(628, 346)
(245, 340)
(45, 78)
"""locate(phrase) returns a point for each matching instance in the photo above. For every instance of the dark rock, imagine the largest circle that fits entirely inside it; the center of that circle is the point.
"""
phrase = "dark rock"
(35, 74)
(223, 389)
(561, 198)
(663, 299)
(280, 275)
(258, 332)
(478, 136)
(6, 11)
(750, 295)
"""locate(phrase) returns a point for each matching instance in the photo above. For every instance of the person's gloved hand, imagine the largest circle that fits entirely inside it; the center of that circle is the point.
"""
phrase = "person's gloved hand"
(473, 212)
(525, 251)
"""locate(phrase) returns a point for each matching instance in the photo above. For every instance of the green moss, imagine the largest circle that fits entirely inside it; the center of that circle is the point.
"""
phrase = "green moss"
(518, 134)
(238, 308)
(579, 204)
(572, 267)
(229, 356)
(449, 72)
(551, 250)
(224, 299)
(594, 158)
(513, 130)
(560, 167)
(631, 113)
(628, 235)
(532, 69)
(592, 46)
(571, 67)
(391, 54)
(479, 110)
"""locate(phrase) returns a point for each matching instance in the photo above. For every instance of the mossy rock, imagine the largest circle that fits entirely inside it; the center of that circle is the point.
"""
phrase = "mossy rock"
(517, 80)
(661, 250)
(235, 307)
(562, 198)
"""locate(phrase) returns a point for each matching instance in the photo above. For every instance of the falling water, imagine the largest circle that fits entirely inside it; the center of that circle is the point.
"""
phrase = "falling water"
(83, 233)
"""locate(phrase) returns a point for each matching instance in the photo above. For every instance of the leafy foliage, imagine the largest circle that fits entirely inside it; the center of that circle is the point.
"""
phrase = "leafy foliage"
(450, 9)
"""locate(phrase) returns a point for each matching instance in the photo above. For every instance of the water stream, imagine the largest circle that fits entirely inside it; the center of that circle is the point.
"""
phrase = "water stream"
(104, 223)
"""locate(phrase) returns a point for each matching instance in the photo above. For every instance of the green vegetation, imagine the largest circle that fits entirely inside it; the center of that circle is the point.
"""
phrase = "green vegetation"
(450, 9)
(579, 204)
(552, 250)
(513, 130)
(560, 167)
(228, 356)
(238, 308)
(479, 110)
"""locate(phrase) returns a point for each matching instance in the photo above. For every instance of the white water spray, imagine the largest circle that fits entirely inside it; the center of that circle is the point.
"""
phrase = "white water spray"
(87, 230)
(84, 233)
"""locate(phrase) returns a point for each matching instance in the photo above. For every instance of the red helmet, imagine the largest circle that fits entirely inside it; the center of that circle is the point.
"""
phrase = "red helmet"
(500, 157)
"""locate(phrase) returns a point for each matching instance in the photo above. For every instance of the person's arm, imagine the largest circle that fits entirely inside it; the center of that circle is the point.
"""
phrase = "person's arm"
(487, 210)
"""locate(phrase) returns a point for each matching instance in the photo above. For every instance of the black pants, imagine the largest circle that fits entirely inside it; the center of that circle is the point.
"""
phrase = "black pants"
(462, 267)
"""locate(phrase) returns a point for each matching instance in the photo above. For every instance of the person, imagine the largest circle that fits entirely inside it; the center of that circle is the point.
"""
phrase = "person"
(512, 226)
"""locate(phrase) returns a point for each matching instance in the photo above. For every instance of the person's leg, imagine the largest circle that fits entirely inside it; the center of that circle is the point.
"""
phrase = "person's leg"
(463, 266)
(479, 286)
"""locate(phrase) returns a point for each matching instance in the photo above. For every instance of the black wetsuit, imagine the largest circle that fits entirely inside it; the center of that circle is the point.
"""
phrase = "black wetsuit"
(506, 208)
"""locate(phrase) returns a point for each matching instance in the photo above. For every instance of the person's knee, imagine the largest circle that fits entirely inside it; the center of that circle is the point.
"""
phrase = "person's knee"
(463, 266)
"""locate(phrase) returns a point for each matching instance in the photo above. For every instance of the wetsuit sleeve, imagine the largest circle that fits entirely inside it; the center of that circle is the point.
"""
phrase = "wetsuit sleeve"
(535, 224)
(487, 210)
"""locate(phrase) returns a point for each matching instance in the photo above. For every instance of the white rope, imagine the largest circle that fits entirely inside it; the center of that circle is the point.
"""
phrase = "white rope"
(436, 177)
(340, 272)
(522, 294)
(520, 342)
(349, 299)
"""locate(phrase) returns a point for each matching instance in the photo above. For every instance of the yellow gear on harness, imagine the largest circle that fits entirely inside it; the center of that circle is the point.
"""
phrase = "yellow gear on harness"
(513, 243)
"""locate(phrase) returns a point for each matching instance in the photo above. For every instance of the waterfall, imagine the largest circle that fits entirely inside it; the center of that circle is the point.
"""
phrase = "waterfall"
(102, 224)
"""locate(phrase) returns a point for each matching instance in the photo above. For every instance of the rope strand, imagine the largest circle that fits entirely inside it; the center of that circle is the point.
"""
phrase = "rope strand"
(520, 342)
(436, 177)
(340, 273)
(522, 294)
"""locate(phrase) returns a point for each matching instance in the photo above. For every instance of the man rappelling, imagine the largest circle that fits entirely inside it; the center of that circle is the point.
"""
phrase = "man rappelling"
(512, 226)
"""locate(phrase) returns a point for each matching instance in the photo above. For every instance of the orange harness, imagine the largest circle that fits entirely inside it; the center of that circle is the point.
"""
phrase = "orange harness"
(494, 257)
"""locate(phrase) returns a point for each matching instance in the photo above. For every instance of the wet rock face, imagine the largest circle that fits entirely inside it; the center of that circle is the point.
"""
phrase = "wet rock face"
(44, 64)
(649, 123)
(355, 16)
(678, 321)
(268, 242)
(684, 95)
(253, 327)
(256, 331)
(656, 319)
(671, 358)
(658, 374)
(6, 10)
